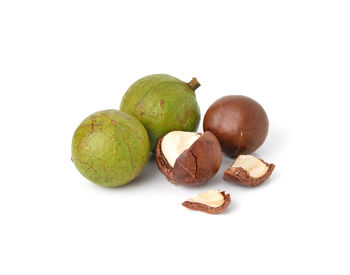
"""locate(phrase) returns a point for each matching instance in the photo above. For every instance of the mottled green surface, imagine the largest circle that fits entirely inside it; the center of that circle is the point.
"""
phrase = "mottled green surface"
(163, 104)
(110, 148)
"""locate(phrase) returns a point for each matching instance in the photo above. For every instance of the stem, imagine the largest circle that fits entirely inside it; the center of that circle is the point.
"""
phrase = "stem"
(194, 84)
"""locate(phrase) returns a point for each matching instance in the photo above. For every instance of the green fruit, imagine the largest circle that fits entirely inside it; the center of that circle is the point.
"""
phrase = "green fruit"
(163, 104)
(110, 148)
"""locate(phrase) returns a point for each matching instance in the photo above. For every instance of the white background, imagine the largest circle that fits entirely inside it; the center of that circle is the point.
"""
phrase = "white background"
(63, 60)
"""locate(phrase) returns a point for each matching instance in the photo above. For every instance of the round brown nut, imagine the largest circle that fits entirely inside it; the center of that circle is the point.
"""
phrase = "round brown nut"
(239, 122)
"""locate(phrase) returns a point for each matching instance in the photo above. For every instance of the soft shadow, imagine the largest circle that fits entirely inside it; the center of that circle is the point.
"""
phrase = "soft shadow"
(274, 176)
(276, 141)
(231, 208)
(147, 173)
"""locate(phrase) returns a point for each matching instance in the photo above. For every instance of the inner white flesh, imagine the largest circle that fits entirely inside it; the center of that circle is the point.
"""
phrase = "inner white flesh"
(175, 143)
(212, 198)
(254, 166)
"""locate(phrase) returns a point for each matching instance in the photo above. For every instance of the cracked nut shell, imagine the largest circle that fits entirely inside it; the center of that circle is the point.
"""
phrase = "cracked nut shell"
(240, 174)
(194, 166)
(239, 123)
(195, 205)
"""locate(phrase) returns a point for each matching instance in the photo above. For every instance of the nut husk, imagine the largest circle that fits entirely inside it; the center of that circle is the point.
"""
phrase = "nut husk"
(110, 148)
(163, 103)
(193, 205)
(239, 175)
(196, 165)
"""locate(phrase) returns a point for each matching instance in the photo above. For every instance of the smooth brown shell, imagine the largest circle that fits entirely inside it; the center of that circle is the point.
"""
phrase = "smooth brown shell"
(196, 165)
(208, 209)
(241, 176)
(239, 122)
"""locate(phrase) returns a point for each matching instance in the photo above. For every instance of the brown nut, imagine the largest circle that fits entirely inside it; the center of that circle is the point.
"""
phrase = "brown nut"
(248, 170)
(239, 123)
(211, 202)
(188, 158)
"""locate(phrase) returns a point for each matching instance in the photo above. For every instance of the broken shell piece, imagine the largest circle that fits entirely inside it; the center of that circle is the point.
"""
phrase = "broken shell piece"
(211, 202)
(188, 158)
(248, 170)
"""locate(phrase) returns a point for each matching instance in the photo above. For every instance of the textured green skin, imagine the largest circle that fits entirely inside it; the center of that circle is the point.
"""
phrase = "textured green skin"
(163, 104)
(110, 148)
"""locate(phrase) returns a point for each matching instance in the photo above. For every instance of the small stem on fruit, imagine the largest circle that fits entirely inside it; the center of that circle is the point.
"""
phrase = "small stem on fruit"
(194, 84)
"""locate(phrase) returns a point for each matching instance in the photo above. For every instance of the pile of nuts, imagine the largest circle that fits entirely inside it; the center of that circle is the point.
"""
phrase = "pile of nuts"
(160, 113)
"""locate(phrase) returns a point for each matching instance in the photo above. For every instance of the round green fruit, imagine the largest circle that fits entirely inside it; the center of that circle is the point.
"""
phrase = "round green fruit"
(163, 104)
(110, 148)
